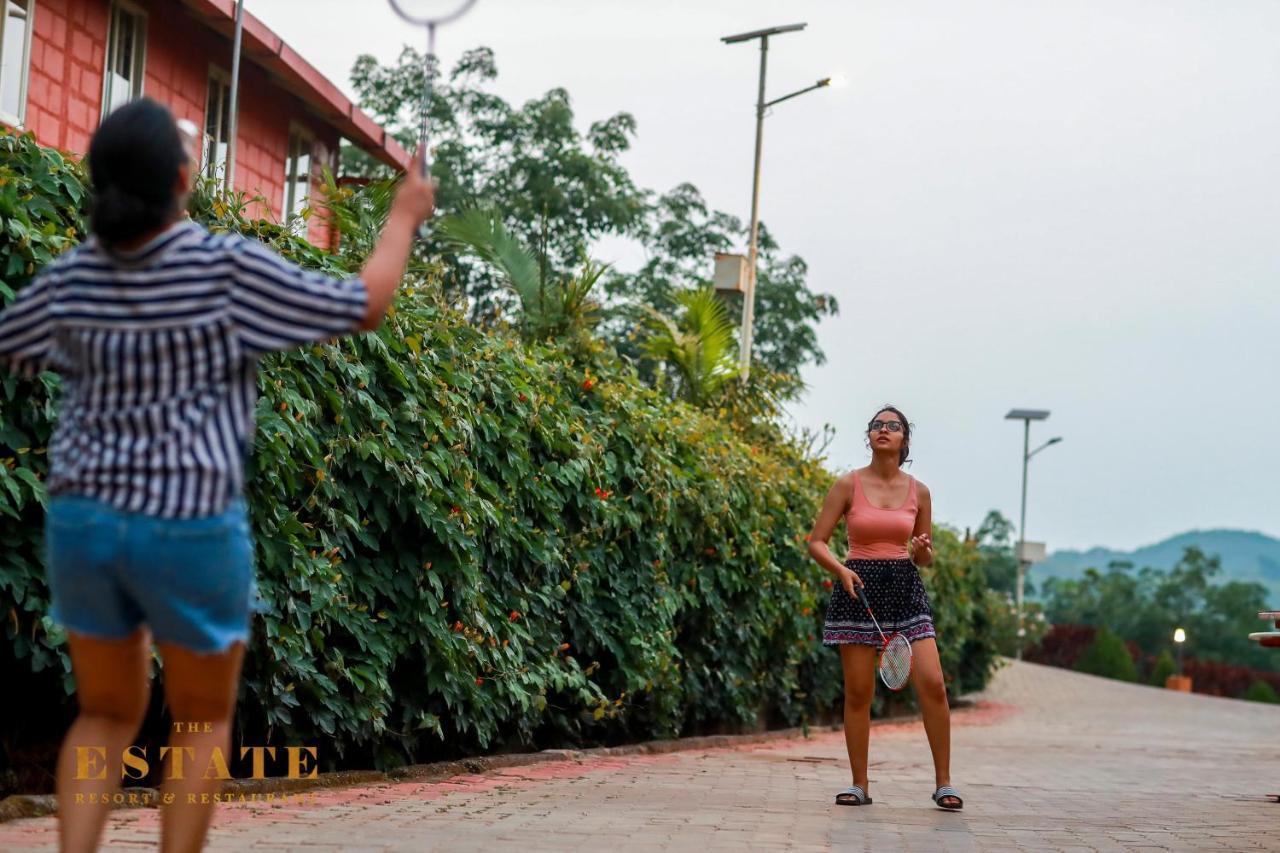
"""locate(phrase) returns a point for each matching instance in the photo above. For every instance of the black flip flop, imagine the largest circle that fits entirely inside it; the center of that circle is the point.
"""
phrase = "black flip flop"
(853, 796)
(944, 792)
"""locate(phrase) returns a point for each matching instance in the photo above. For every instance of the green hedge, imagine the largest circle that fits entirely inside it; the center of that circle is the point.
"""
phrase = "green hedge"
(469, 543)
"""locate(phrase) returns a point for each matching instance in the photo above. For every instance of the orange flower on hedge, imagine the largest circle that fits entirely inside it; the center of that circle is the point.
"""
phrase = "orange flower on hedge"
(515, 615)
(457, 626)
(479, 681)
(826, 584)
(588, 384)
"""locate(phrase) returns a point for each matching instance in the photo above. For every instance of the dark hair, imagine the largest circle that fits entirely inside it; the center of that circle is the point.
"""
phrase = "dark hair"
(134, 160)
(905, 450)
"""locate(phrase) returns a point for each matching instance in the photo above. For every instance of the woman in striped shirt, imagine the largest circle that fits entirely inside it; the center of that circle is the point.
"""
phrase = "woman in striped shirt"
(156, 327)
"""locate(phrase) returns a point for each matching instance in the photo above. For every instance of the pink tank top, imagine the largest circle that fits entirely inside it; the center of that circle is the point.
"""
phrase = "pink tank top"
(876, 533)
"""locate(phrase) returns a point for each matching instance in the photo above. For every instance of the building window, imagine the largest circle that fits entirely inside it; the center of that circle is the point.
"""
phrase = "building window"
(297, 178)
(126, 53)
(15, 59)
(217, 125)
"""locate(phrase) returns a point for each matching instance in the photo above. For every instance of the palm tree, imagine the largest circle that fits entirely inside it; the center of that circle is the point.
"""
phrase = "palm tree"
(698, 348)
(549, 307)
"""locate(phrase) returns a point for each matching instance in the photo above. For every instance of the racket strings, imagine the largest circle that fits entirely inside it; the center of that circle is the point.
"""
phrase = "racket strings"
(895, 662)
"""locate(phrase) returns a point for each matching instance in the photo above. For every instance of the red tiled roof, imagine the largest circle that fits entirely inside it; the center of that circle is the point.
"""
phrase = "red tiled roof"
(266, 49)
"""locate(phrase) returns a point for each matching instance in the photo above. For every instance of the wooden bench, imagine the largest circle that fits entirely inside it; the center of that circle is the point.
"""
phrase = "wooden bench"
(1270, 639)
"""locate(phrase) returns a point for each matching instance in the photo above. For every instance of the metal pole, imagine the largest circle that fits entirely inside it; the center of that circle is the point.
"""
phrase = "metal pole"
(233, 126)
(426, 99)
(749, 300)
(1022, 528)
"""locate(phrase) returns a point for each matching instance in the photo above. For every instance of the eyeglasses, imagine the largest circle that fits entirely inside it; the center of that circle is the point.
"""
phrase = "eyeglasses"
(892, 426)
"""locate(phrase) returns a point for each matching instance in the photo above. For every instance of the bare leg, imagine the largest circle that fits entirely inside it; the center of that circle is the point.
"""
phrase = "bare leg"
(201, 691)
(859, 664)
(931, 694)
(113, 688)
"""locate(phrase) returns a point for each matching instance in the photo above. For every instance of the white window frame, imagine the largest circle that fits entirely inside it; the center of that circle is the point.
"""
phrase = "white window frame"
(140, 52)
(291, 179)
(18, 120)
(208, 146)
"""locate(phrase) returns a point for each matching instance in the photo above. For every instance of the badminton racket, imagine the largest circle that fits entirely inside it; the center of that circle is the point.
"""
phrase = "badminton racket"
(429, 14)
(895, 655)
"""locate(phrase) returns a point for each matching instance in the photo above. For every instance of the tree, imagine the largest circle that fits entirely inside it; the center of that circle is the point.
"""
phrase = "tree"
(554, 187)
(560, 190)
(681, 236)
(1108, 657)
(697, 348)
(1146, 605)
(994, 540)
(550, 305)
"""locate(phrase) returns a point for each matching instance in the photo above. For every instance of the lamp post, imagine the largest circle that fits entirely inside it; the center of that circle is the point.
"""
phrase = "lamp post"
(1179, 637)
(1026, 416)
(749, 298)
(233, 121)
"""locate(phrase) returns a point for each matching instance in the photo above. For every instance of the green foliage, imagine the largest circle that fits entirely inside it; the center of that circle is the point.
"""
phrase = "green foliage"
(995, 538)
(965, 611)
(1164, 668)
(697, 348)
(1145, 606)
(680, 236)
(556, 188)
(470, 541)
(561, 190)
(1261, 691)
(1108, 657)
(549, 307)
(41, 194)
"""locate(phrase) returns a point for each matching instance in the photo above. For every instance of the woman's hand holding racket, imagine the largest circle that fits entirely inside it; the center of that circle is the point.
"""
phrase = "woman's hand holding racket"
(849, 580)
(416, 197)
(414, 203)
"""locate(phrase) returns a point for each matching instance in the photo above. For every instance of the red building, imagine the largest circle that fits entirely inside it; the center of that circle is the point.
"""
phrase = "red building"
(66, 63)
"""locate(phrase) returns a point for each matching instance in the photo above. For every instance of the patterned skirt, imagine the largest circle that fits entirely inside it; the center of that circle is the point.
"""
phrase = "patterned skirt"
(897, 597)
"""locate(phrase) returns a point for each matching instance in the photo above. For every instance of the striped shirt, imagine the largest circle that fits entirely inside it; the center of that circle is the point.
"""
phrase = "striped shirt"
(158, 351)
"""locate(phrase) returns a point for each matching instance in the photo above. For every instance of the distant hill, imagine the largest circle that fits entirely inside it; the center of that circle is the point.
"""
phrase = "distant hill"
(1245, 556)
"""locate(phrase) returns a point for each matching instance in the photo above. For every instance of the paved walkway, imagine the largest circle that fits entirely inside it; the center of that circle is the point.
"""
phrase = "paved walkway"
(1051, 760)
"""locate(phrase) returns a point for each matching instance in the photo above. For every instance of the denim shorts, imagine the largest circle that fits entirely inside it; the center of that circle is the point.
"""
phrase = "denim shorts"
(191, 581)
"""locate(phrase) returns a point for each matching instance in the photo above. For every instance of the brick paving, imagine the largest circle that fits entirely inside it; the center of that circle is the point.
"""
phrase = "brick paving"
(1048, 760)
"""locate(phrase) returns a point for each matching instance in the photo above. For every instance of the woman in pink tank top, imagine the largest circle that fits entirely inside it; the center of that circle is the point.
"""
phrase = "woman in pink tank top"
(888, 516)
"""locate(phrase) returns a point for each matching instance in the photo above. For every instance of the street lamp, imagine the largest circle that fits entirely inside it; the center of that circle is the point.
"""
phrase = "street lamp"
(1024, 553)
(1179, 637)
(749, 297)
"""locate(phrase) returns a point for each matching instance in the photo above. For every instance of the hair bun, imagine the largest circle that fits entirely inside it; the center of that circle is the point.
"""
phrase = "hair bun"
(119, 215)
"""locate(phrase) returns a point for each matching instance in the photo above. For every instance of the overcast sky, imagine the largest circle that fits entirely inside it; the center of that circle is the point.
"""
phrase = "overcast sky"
(1070, 206)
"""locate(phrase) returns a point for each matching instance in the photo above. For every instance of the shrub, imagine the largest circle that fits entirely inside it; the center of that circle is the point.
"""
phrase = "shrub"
(1164, 667)
(1107, 656)
(1062, 645)
(1261, 691)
